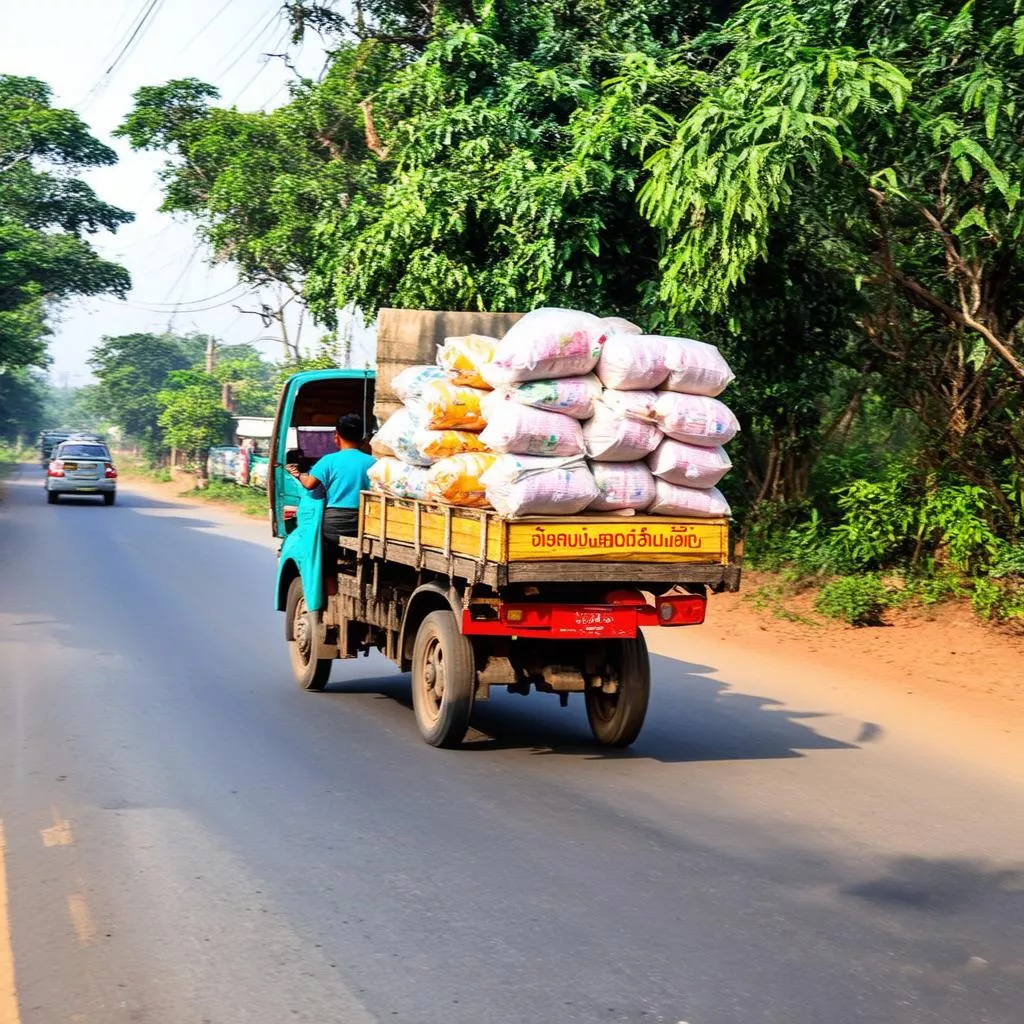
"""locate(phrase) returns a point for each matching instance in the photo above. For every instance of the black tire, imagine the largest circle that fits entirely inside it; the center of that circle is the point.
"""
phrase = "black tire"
(52, 497)
(443, 680)
(109, 499)
(304, 634)
(617, 718)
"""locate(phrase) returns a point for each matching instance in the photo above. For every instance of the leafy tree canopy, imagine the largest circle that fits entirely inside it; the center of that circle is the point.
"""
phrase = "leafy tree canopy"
(45, 212)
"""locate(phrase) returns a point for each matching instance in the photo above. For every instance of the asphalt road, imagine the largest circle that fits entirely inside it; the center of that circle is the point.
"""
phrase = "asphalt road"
(187, 838)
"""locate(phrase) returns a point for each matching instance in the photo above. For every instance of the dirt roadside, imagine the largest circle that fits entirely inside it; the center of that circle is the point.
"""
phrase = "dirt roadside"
(943, 654)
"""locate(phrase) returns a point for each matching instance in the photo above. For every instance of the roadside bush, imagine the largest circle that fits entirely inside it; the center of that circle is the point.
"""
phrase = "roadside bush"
(878, 520)
(856, 600)
(943, 586)
(954, 522)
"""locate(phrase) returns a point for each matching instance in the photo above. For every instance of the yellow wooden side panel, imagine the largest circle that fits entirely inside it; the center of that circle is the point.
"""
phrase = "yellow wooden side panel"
(594, 538)
(466, 529)
(614, 539)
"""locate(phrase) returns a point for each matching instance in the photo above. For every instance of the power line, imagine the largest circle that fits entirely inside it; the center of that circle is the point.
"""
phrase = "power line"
(263, 67)
(207, 298)
(182, 278)
(135, 30)
(118, 29)
(184, 308)
(270, 99)
(148, 14)
(246, 45)
(220, 10)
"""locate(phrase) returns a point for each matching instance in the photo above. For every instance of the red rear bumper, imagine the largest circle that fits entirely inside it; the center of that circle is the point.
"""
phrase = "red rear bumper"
(619, 621)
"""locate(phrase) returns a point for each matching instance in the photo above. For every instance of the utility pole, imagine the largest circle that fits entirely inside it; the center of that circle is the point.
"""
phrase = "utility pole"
(211, 354)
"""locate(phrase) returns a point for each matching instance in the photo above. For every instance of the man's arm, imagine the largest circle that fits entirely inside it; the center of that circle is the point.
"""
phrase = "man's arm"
(307, 481)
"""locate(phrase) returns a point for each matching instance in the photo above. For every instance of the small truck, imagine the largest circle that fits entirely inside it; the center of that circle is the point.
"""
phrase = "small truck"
(464, 599)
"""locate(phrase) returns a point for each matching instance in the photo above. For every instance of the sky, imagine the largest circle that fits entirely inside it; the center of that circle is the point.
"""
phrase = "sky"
(70, 44)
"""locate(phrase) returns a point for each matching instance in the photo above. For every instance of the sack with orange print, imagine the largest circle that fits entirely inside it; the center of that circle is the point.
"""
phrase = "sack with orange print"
(441, 444)
(456, 480)
(464, 358)
(448, 406)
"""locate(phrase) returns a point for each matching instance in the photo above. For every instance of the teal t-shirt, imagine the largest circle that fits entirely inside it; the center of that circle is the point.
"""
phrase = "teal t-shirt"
(343, 474)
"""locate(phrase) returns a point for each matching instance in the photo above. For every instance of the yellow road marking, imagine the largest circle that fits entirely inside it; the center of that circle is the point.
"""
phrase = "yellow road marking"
(81, 919)
(59, 833)
(8, 993)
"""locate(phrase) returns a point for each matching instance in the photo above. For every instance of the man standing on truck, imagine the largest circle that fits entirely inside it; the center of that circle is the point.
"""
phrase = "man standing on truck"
(342, 475)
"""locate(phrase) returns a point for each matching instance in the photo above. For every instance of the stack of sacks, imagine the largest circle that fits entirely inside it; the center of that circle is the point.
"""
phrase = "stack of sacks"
(431, 449)
(568, 412)
(542, 373)
(656, 437)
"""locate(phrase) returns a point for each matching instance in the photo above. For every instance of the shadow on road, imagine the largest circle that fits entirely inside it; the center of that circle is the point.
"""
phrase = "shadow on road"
(941, 886)
(692, 717)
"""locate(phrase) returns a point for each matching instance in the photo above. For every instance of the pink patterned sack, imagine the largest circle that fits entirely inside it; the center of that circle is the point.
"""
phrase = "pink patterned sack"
(689, 465)
(622, 485)
(524, 485)
(547, 343)
(633, 362)
(524, 431)
(695, 368)
(610, 437)
(671, 500)
(694, 419)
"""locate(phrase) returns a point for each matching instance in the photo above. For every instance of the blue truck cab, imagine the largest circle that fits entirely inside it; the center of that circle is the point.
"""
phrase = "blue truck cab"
(309, 407)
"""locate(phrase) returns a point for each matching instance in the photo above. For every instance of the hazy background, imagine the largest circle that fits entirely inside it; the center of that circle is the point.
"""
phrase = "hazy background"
(70, 44)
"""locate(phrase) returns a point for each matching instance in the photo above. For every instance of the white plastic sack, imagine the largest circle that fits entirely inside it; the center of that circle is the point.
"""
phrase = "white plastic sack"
(622, 485)
(694, 419)
(633, 362)
(695, 368)
(398, 438)
(619, 325)
(547, 343)
(520, 430)
(524, 485)
(671, 500)
(610, 437)
(637, 405)
(689, 465)
(409, 384)
(571, 396)
(399, 479)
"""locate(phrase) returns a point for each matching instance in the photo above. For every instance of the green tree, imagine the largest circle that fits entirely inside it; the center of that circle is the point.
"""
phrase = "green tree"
(131, 370)
(250, 378)
(438, 162)
(191, 414)
(891, 137)
(22, 396)
(45, 212)
(74, 407)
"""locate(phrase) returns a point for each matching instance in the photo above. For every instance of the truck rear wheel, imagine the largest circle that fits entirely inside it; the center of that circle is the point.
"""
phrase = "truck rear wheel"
(617, 718)
(443, 680)
(304, 633)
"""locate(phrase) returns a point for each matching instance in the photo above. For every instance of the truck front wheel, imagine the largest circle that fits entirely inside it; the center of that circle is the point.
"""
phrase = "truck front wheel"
(443, 680)
(616, 715)
(305, 640)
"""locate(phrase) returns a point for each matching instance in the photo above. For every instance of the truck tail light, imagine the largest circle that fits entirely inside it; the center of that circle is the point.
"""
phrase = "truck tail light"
(56, 468)
(110, 473)
(681, 610)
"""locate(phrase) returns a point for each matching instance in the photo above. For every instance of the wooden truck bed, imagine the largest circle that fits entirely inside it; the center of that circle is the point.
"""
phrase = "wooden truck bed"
(482, 546)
